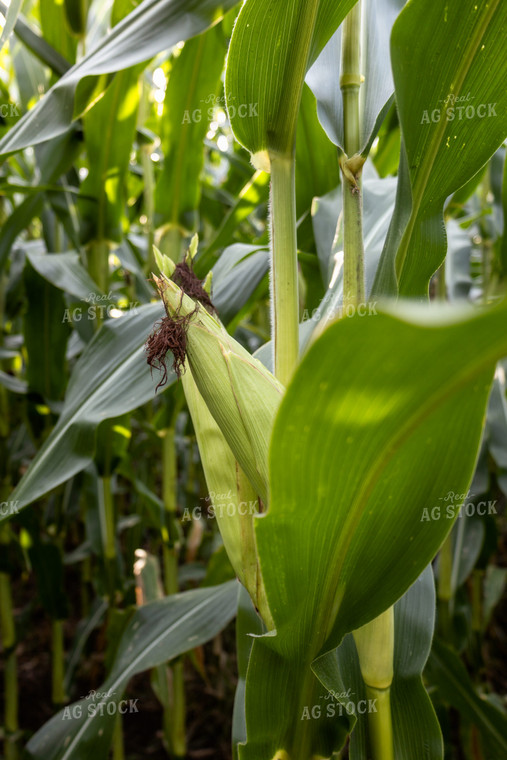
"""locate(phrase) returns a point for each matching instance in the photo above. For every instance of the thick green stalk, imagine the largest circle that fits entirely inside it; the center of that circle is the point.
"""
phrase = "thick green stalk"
(284, 273)
(149, 202)
(351, 79)
(380, 724)
(352, 163)
(8, 631)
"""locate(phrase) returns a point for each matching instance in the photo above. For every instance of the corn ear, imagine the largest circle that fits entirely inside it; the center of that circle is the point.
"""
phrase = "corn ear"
(241, 394)
(233, 499)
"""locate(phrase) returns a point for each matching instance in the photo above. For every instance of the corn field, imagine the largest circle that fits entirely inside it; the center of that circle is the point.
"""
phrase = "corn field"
(253, 396)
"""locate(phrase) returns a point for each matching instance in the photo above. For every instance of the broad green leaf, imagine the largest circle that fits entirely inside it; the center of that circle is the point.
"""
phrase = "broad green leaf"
(377, 90)
(378, 414)
(66, 272)
(449, 71)
(153, 26)
(447, 673)
(188, 108)
(248, 624)
(109, 129)
(271, 49)
(157, 632)
(417, 733)
(355, 445)
(110, 378)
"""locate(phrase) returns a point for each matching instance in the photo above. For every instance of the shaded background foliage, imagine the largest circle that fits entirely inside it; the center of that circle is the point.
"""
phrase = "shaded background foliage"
(114, 140)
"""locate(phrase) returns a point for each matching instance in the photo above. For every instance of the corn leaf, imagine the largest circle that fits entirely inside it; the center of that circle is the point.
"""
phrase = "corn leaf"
(189, 106)
(368, 417)
(157, 632)
(153, 26)
(272, 46)
(417, 734)
(449, 72)
(110, 378)
(103, 192)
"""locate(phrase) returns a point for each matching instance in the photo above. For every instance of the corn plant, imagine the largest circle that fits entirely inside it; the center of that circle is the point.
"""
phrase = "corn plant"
(355, 171)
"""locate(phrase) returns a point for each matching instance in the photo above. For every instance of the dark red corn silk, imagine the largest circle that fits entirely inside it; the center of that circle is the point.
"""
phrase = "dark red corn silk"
(170, 333)
(190, 284)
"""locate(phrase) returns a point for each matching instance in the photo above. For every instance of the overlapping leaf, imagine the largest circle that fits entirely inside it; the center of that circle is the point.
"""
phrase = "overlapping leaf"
(368, 417)
(417, 733)
(271, 49)
(110, 378)
(189, 106)
(449, 71)
(153, 26)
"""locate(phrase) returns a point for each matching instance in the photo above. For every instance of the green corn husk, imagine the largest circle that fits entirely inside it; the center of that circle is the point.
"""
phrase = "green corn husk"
(233, 499)
(241, 394)
(375, 648)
